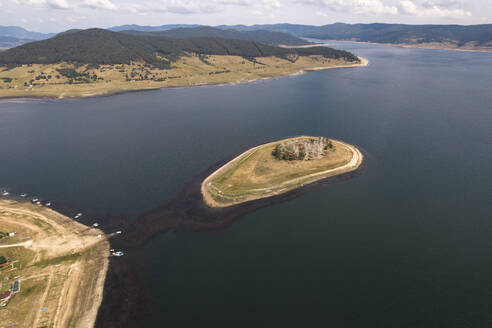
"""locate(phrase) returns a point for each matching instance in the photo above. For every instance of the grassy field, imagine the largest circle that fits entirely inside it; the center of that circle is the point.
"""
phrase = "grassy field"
(59, 263)
(49, 80)
(256, 173)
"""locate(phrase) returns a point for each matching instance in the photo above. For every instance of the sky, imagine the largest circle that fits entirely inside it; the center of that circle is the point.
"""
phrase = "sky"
(60, 15)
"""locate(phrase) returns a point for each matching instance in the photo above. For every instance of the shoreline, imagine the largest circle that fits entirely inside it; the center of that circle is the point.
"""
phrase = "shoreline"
(364, 62)
(403, 45)
(186, 211)
(286, 186)
(54, 236)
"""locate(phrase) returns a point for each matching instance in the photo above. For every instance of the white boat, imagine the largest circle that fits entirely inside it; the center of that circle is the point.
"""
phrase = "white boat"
(118, 253)
(95, 225)
(5, 193)
(34, 200)
(23, 195)
(48, 204)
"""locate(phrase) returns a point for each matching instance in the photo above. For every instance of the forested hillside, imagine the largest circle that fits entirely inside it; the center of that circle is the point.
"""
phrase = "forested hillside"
(266, 37)
(97, 46)
(460, 35)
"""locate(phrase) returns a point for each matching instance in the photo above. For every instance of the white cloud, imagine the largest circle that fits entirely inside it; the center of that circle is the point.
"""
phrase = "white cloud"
(53, 4)
(184, 7)
(430, 9)
(361, 7)
(99, 4)
(215, 12)
(415, 8)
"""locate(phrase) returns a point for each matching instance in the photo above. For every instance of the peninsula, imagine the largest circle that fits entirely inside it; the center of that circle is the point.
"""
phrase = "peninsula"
(98, 62)
(278, 167)
(52, 268)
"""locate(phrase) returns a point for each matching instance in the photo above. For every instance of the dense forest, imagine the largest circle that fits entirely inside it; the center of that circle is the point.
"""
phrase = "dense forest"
(384, 33)
(266, 37)
(98, 46)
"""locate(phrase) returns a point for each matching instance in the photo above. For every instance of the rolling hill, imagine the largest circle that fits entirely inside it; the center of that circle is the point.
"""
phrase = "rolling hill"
(142, 28)
(261, 36)
(21, 33)
(453, 36)
(84, 63)
(10, 42)
(97, 46)
(13, 36)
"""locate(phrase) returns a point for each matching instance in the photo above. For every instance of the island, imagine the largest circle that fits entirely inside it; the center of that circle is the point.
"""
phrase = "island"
(99, 62)
(278, 167)
(52, 268)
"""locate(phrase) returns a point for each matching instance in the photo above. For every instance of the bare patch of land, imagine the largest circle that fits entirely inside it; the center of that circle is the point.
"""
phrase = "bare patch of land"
(257, 173)
(59, 263)
(66, 80)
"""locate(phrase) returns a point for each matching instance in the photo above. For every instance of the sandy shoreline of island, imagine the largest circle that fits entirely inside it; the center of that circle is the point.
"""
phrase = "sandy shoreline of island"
(51, 237)
(209, 200)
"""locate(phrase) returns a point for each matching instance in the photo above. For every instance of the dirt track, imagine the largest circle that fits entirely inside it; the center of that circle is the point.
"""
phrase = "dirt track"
(208, 189)
(63, 261)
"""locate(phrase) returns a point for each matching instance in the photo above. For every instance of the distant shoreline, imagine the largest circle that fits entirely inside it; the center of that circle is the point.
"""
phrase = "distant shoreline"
(404, 45)
(363, 62)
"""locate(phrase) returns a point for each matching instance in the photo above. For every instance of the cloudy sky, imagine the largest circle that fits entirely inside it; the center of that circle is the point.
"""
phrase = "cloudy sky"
(59, 15)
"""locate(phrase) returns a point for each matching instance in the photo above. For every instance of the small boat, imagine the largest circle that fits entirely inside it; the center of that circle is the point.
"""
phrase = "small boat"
(23, 195)
(118, 253)
(95, 225)
(34, 200)
(5, 193)
(38, 203)
(118, 232)
(48, 204)
(111, 250)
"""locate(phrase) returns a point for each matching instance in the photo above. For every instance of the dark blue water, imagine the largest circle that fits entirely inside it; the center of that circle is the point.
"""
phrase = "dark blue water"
(407, 244)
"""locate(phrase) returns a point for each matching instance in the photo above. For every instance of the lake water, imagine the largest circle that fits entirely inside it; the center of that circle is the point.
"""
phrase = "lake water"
(406, 244)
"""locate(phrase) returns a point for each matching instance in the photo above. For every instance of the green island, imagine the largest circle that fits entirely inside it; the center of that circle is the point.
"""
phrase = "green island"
(98, 62)
(278, 167)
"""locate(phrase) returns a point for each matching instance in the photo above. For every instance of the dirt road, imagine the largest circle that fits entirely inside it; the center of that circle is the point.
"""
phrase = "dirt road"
(62, 268)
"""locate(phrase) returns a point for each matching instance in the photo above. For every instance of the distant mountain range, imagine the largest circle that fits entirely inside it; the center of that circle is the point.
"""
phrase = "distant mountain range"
(99, 46)
(150, 28)
(266, 37)
(446, 36)
(460, 35)
(12, 36)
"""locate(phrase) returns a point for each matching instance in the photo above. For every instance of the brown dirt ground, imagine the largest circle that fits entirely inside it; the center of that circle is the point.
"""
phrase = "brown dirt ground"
(62, 267)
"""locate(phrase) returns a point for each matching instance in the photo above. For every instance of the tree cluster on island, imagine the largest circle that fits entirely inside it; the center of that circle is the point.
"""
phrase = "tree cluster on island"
(302, 149)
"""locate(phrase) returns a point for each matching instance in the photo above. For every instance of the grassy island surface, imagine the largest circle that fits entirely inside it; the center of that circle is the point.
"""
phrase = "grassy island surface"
(277, 167)
(53, 266)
